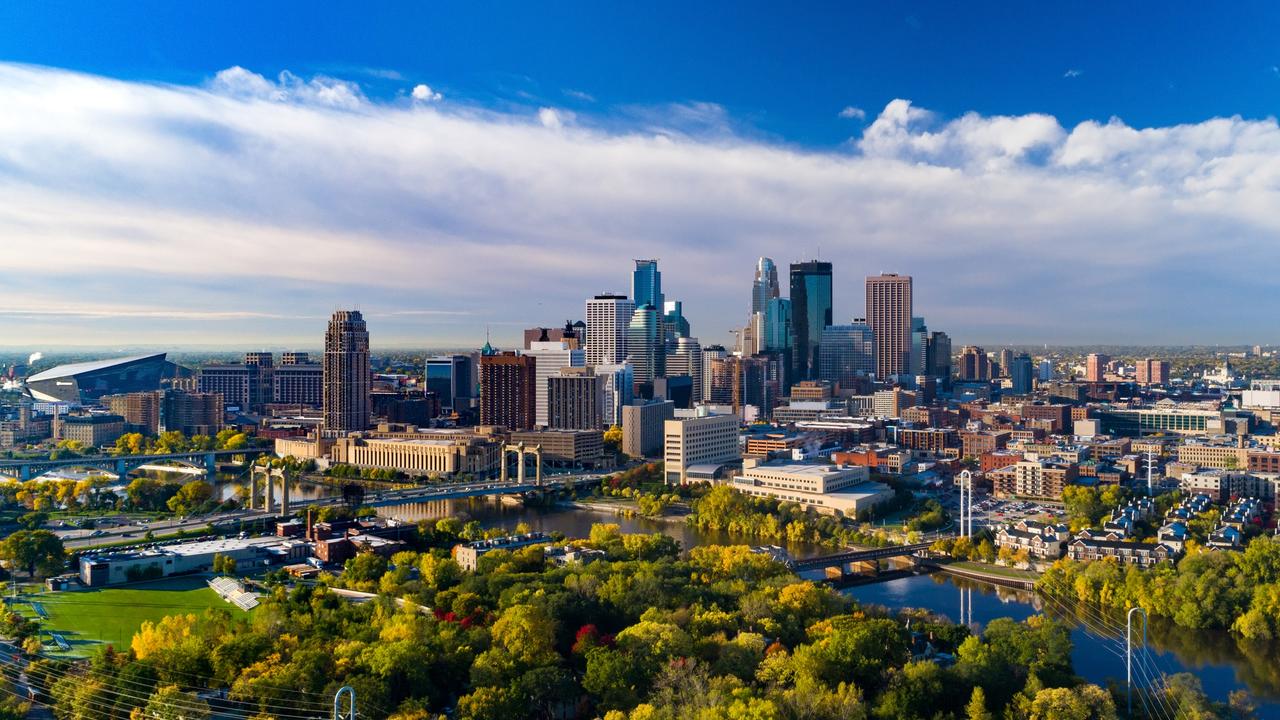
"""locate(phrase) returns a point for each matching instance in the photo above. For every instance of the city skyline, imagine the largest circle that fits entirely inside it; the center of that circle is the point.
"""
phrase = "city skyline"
(241, 195)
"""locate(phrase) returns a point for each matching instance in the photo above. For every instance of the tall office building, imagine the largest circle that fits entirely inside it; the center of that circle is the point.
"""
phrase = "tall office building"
(776, 331)
(846, 352)
(919, 363)
(449, 377)
(507, 385)
(646, 284)
(551, 357)
(974, 364)
(686, 359)
(294, 358)
(347, 379)
(939, 355)
(810, 314)
(710, 354)
(261, 366)
(674, 323)
(1046, 370)
(617, 387)
(1006, 360)
(889, 315)
(1020, 374)
(765, 286)
(643, 347)
(1096, 367)
(575, 398)
(608, 317)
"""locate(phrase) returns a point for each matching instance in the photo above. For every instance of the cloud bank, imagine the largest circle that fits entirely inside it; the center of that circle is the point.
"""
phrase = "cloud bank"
(246, 209)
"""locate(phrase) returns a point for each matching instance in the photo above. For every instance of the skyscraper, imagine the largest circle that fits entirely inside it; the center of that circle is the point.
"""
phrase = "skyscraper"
(617, 383)
(1020, 374)
(507, 385)
(550, 358)
(575, 399)
(845, 352)
(889, 315)
(643, 346)
(765, 286)
(919, 362)
(974, 364)
(710, 354)
(810, 314)
(939, 352)
(608, 316)
(646, 284)
(449, 377)
(674, 323)
(347, 379)
(687, 360)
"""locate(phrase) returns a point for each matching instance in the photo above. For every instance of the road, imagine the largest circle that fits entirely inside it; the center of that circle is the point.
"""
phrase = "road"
(78, 539)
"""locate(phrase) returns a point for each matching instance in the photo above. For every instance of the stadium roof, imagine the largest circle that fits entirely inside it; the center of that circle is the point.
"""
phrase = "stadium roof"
(72, 369)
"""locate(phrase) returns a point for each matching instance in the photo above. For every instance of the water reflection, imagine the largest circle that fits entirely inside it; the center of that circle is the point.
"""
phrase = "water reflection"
(1222, 661)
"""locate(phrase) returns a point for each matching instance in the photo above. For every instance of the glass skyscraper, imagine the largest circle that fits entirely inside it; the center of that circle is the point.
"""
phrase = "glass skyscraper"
(646, 285)
(810, 314)
(846, 352)
(765, 287)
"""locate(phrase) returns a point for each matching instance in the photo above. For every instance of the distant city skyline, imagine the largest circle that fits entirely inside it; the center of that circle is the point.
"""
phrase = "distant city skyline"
(188, 190)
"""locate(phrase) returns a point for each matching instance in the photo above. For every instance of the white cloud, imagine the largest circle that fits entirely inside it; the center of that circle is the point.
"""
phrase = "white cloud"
(222, 212)
(853, 113)
(580, 95)
(320, 90)
(424, 93)
(1072, 73)
(553, 118)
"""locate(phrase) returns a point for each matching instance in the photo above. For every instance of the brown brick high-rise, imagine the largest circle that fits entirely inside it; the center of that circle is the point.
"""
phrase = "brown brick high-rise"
(889, 317)
(346, 374)
(507, 390)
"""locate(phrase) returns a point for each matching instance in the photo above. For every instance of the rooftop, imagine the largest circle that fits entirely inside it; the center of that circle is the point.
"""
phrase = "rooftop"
(63, 371)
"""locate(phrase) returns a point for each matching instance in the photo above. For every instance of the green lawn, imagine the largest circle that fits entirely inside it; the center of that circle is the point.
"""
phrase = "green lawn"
(88, 618)
(997, 570)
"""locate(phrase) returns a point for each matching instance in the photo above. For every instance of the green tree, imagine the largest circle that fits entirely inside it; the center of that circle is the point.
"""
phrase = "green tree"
(191, 497)
(34, 549)
(33, 520)
(172, 703)
(977, 707)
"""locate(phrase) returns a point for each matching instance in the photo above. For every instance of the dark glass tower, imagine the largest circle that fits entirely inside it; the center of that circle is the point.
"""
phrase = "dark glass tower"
(646, 284)
(810, 314)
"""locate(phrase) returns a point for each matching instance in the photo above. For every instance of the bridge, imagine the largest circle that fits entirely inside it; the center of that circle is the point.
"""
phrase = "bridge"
(840, 560)
(455, 492)
(121, 465)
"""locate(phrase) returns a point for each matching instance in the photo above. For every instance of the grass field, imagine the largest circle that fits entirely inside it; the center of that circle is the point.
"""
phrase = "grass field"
(88, 618)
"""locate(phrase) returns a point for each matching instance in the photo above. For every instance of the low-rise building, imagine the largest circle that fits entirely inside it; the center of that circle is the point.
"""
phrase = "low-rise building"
(468, 554)
(111, 568)
(1042, 541)
(417, 454)
(830, 489)
(1143, 555)
(566, 448)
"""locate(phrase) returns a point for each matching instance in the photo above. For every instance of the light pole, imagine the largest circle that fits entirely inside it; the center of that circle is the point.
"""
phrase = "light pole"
(966, 510)
(1128, 649)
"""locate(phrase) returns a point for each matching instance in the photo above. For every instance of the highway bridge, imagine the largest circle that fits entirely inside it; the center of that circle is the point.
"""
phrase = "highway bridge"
(122, 465)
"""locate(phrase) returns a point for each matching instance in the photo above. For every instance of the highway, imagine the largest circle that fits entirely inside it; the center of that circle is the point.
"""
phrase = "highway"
(79, 539)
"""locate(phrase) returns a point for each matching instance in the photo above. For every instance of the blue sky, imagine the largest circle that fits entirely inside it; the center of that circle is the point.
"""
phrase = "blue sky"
(232, 172)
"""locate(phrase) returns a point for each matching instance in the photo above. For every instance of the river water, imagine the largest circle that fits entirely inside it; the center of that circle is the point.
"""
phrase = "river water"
(1222, 662)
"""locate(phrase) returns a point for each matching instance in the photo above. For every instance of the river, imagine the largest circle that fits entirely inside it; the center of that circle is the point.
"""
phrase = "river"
(1222, 662)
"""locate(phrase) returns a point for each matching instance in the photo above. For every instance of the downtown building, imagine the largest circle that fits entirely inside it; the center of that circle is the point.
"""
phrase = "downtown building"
(508, 396)
(888, 299)
(347, 377)
(608, 317)
(810, 315)
(845, 353)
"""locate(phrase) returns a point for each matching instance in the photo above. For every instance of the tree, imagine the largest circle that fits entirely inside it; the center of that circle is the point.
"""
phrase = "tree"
(1087, 702)
(191, 497)
(977, 707)
(171, 703)
(33, 520)
(34, 549)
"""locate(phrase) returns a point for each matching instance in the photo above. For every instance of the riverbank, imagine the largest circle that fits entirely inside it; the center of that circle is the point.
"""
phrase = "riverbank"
(994, 574)
(624, 510)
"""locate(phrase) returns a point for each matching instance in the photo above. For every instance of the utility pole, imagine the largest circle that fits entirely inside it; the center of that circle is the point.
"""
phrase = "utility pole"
(1128, 650)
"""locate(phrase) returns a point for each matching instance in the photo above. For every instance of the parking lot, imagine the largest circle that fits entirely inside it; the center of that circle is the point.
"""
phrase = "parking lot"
(991, 511)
